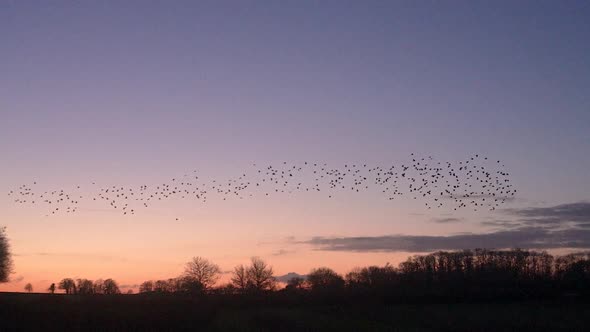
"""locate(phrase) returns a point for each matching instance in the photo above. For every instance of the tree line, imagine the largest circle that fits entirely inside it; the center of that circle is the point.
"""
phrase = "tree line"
(201, 275)
(479, 272)
(86, 286)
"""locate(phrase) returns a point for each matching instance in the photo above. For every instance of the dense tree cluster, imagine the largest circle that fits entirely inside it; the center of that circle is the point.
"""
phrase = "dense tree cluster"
(479, 272)
(324, 279)
(87, 287)
(180, 284)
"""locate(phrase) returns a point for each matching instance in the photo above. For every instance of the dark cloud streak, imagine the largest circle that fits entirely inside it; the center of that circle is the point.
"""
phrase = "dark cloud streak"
(526, 238)
(446, 220)
(559, 226)
(571, 214)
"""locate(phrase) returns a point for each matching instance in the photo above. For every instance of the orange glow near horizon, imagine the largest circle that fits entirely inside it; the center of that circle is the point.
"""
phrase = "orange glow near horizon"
(149, 246)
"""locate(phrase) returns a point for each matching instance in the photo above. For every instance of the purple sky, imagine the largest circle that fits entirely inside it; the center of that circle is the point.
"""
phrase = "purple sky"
(135, 92)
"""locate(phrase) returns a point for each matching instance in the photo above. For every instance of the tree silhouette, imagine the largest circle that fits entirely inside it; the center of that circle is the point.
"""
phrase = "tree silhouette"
(181, 284)
(372, 277)
(479, 273)
(254, 278)
(202, 271)
(5, 258)
(161, 286)
(239, 279)
(85, 287)
(189, 285)
(68, 285)
(98, 286)
(146, 287)
(324, 278)
(226, 289)
(110, 287)
(29, 287)
(259, 275)
(51, 288)
(295, 283)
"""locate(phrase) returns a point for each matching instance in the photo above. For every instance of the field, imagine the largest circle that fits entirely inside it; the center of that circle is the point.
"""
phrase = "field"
(45, 312)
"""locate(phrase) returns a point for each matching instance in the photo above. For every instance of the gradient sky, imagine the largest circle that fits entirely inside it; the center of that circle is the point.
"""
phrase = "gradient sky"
(137, 92)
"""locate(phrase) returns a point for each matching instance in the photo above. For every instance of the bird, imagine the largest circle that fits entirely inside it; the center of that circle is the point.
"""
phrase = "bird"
(471, 182)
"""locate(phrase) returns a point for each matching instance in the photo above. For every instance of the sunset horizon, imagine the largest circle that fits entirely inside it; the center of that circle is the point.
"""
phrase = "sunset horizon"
(137, 136)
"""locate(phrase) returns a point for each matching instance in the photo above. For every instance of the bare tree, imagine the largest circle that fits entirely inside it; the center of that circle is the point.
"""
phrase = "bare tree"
(85, 287)
(174, 285)
(51, 288)
(256, 277)
(5, 258)
(162, 286)
(146, 287)
(111, 287)
(202, 271)
(68, 285)
(239, 279)
(98, 286)
(260, 276)
(29, 287)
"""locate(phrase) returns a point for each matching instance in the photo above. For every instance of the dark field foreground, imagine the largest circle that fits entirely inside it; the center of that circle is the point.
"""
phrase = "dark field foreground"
(151, 312)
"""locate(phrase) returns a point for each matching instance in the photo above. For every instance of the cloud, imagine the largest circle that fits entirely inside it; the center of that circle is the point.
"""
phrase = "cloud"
(502, 223)
(290, 238)
(552, 227)
(525, 237)
(446, 220)
(282, 252)
(563, 215)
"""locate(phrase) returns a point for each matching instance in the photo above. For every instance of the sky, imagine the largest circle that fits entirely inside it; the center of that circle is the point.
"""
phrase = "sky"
(137, 92)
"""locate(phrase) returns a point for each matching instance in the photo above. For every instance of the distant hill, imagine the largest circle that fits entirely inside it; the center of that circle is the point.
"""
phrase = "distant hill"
(285, 278)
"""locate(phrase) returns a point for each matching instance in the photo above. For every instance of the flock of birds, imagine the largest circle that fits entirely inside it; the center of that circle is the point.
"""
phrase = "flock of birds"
(476, 183)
